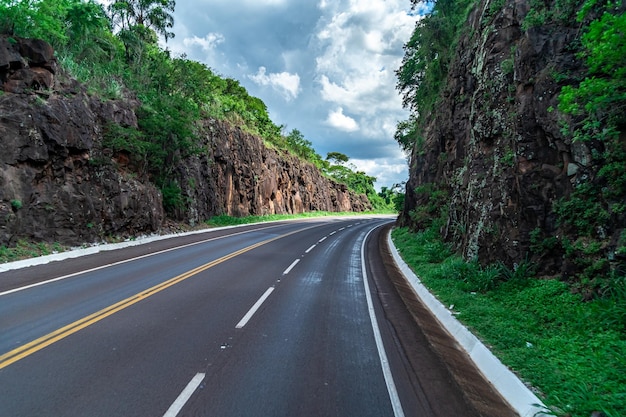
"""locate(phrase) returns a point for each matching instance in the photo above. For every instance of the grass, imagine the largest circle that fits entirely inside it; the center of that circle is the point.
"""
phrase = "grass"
(25, 250)
(572, 353)
(225, 220)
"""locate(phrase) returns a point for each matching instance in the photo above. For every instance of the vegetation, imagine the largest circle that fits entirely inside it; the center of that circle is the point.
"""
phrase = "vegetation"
(116, 54)
(594, 110)
(225, 220)
(25, 250)
(566, 335)
(427, 58)
(574, 353)
(337, 166)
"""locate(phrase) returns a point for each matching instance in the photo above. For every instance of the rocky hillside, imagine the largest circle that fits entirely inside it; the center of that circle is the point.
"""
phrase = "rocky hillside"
(496, 161)
(58, 182)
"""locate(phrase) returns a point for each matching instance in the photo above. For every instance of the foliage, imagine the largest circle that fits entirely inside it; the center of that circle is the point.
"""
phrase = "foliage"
(303, 148)
(541, 13)
(337, 157)
(407, 134)
(357, 181)
(572, 353)
(601, 96)
(16, 204)
(226, 220)
(424, 68)
(393, 197)
(596, 109)
(18, 17)
(153, 14)
(432, 205)
(25, 250)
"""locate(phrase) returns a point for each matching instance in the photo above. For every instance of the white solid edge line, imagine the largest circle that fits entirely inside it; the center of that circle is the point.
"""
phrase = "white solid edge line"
(510, 387)
(184, 396)
(290, 267)
(79, 252)
(147, 255)
(310, 249)
(254, 308)
(391, 386)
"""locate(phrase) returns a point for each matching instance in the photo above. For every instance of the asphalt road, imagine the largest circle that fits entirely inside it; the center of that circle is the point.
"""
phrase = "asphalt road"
(289, 319)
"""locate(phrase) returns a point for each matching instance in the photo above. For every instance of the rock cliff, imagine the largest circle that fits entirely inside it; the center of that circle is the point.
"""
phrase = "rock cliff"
(238, 175)
(495, 146)
(59, 183)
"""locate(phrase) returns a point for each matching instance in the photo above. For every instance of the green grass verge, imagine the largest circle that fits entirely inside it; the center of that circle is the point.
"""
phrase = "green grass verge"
(225, 220)
(25, 250)
(572, 353)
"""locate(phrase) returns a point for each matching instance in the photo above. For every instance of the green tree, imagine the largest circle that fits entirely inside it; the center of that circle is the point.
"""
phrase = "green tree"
(393, 196)
(43, 19)
(337, 157)
(597, 114)
(299, 145)
(427, 56)
(153, 14)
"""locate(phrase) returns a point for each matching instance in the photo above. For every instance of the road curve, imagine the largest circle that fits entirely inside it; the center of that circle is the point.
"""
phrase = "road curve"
(267, 320)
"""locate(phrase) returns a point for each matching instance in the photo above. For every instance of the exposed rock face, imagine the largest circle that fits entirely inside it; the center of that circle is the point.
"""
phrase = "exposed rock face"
(55, 182)
(239, 176)
(58, 182)
(26, 64)
(495, 144)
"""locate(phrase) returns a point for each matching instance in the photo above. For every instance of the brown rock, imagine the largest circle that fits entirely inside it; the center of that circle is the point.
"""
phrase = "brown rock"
(57, 183)
(497, 202)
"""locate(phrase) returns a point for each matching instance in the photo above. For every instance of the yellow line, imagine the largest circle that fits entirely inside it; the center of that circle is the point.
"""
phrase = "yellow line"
(38, 344)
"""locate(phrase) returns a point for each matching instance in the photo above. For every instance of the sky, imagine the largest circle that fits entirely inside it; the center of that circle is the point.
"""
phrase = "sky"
(323, 67)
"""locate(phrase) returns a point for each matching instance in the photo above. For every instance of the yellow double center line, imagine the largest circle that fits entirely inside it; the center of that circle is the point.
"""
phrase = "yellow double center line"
(38, 344)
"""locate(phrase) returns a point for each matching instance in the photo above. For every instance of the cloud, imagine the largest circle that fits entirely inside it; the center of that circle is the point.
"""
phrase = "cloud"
(360, 44)
(208, 43)
(388, 171)
(340, 121)
(324, 67)
(285, 83)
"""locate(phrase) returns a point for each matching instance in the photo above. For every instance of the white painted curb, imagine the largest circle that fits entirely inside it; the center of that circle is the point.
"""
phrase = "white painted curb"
(510, 387)
(78, 252)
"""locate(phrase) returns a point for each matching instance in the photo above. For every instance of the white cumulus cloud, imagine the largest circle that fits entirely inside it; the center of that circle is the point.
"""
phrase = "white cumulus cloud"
(340, 121)
(360, 44)
(285, 83)
(208, 43)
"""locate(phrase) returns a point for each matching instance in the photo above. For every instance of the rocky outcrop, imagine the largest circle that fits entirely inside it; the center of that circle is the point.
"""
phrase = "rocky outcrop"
(496, 146)
(56, 184)
(26, 64)
(237, 175)
(59, 183)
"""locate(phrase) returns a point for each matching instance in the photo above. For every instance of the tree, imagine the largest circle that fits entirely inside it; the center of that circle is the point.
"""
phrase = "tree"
(153, 14)
(424, 68)
(337, 157)
(35, 19)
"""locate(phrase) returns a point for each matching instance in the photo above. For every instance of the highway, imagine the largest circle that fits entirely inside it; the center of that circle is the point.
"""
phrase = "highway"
(281, 319)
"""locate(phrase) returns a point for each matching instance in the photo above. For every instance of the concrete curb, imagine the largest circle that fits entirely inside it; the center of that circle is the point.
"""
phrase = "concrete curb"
(78, 252)
(96, 248)
(510, 387)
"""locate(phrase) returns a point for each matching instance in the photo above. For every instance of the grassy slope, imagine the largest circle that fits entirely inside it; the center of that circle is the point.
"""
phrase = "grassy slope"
(572, 353)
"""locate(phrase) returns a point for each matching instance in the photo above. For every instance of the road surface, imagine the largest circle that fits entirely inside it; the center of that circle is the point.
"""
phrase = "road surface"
(285, 319)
